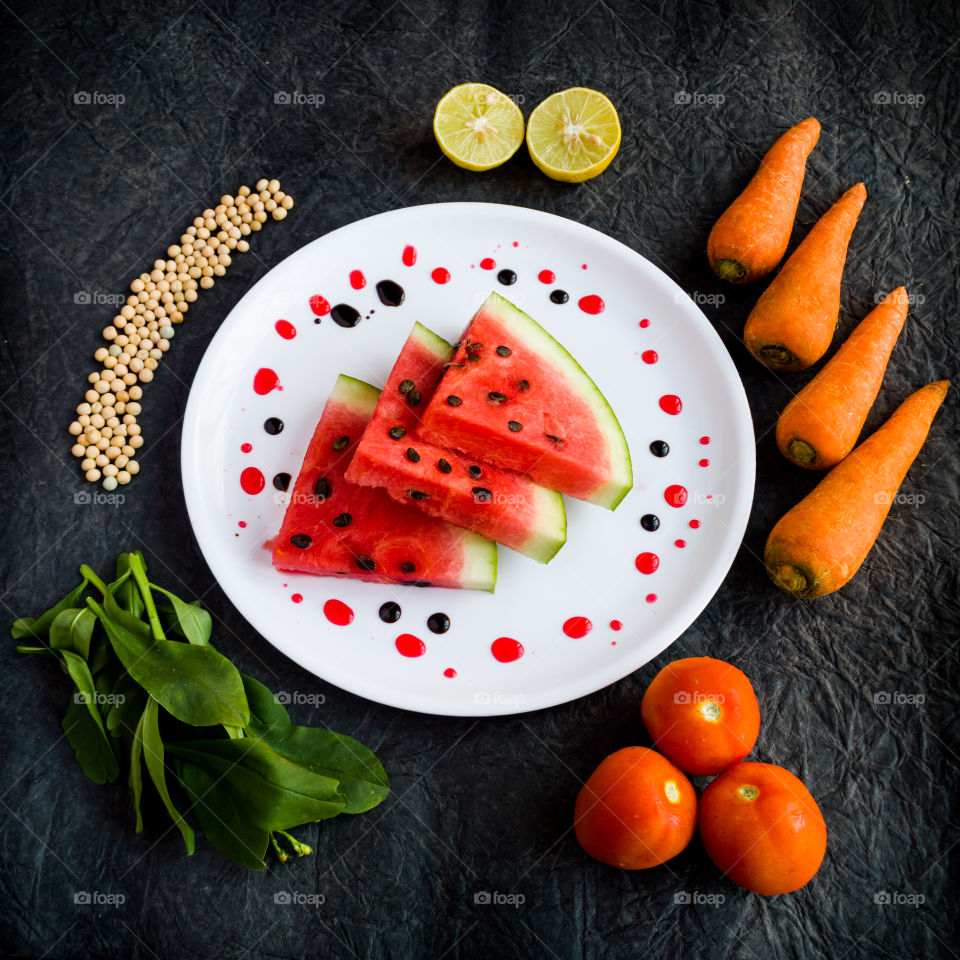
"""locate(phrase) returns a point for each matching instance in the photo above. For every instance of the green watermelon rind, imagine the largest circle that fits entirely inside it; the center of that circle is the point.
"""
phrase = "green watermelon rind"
(541, 342)
(480, 555)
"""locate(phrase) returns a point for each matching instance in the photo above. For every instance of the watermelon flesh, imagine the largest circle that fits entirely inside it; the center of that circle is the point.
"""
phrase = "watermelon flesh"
(498, 504)
(525, 404)
(334, 528)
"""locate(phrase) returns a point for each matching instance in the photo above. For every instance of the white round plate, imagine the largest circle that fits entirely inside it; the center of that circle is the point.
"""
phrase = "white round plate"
(634, 615)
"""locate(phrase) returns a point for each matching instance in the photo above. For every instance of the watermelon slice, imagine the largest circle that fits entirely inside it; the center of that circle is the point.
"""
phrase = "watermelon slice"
(498, 504)
(516, 398)
(336, 529)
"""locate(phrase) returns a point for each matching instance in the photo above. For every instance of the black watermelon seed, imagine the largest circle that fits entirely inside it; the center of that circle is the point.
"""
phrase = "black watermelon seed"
(418, 495)
(412, 455)
(301, 541)
(406, 386)
(438, 623)
(504, 351)
(659, 448)
(650, 521)
(273, 426)
(407, 567)
(523, 385)
(507, 277)
(474, 347)
(316, 319)
(390, 293)
(365, 563)
(496, 397)
(343, 315)
(559, 296)
(281, 481)
(475, 472)
(459, 366)
(515, 426)
(482, 495)
(444, 465)
(389, 612)
(420, 583)
(341, 443)
(322, 488)
(552, 438)
(342, 520)
(413, 397)
(397, 432)
(454, 401)
(473, 357)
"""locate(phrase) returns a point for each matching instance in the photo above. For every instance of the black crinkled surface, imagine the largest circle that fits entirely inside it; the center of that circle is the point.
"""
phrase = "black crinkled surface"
(857, 690)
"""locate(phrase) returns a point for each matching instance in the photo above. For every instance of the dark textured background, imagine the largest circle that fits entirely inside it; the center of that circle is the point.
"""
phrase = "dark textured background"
(91, 194)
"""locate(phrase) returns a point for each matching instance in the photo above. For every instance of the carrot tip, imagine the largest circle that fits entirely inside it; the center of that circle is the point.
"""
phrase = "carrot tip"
(792, 579)
(731, 270)
(801, 452)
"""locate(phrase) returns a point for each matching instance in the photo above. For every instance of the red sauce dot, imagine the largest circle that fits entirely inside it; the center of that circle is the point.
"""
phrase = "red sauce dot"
(694, 524)
(675, 495)
(583, 266)
(616, 625)
(265, 380)
(506, 650)
(516, 243)
(647, 562)
(246, 447)
(252, 481)
(357, 280)
(337, 612)
(286, 329)
(680, 543)
(297, 598)
(410, 646)
(488, 263)
(577, 627)
(242, 524)
(591, 303)
(670, 403)
(649, 356)
(704, 440)
(651, 598)
(319, 305)
(704, 462)
(449, 673)
(546, 276)
(409, 255)
(441, 275)
(644, 323)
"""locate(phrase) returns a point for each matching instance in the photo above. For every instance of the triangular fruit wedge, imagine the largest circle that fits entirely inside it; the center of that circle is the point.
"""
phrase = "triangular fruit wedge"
(498, 504)
(514, 397)
(334, 528)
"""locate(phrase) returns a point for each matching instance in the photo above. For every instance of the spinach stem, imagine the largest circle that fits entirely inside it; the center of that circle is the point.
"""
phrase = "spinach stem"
(89, 575)
(139, 574)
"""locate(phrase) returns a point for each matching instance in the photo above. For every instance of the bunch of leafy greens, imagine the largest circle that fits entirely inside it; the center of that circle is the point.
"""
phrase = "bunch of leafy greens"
(141, 661)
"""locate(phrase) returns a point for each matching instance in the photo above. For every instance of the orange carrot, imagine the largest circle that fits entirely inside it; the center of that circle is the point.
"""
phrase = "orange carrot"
(752, 234)
(821, 423)
(792, 324)
(821, 543)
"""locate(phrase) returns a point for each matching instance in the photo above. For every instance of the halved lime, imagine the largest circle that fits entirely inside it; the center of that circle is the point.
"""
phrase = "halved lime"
(477, 126)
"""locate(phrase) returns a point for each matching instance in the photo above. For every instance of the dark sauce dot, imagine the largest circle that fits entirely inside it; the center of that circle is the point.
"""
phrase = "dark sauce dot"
(413, 397)
(559, 296)
(389, 612)
(406, 386)
(397, 432)
(496, 397)
(341, 443)
(390, 293)
(659, 448)
(322, 488)
(301, 541)
(523, 385)
(444, 465)
(316, 319)
(418, 495)
(273, 426)
(342, 520)
(514, 425)
(482, 495)
(650, 521)
(412, 455)
(438, 623)
(454, 401)
(474, 472)
(343, 315)
(365, 563)
(504, 351)
(507, 277)
(407, 566)
(281, 481)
